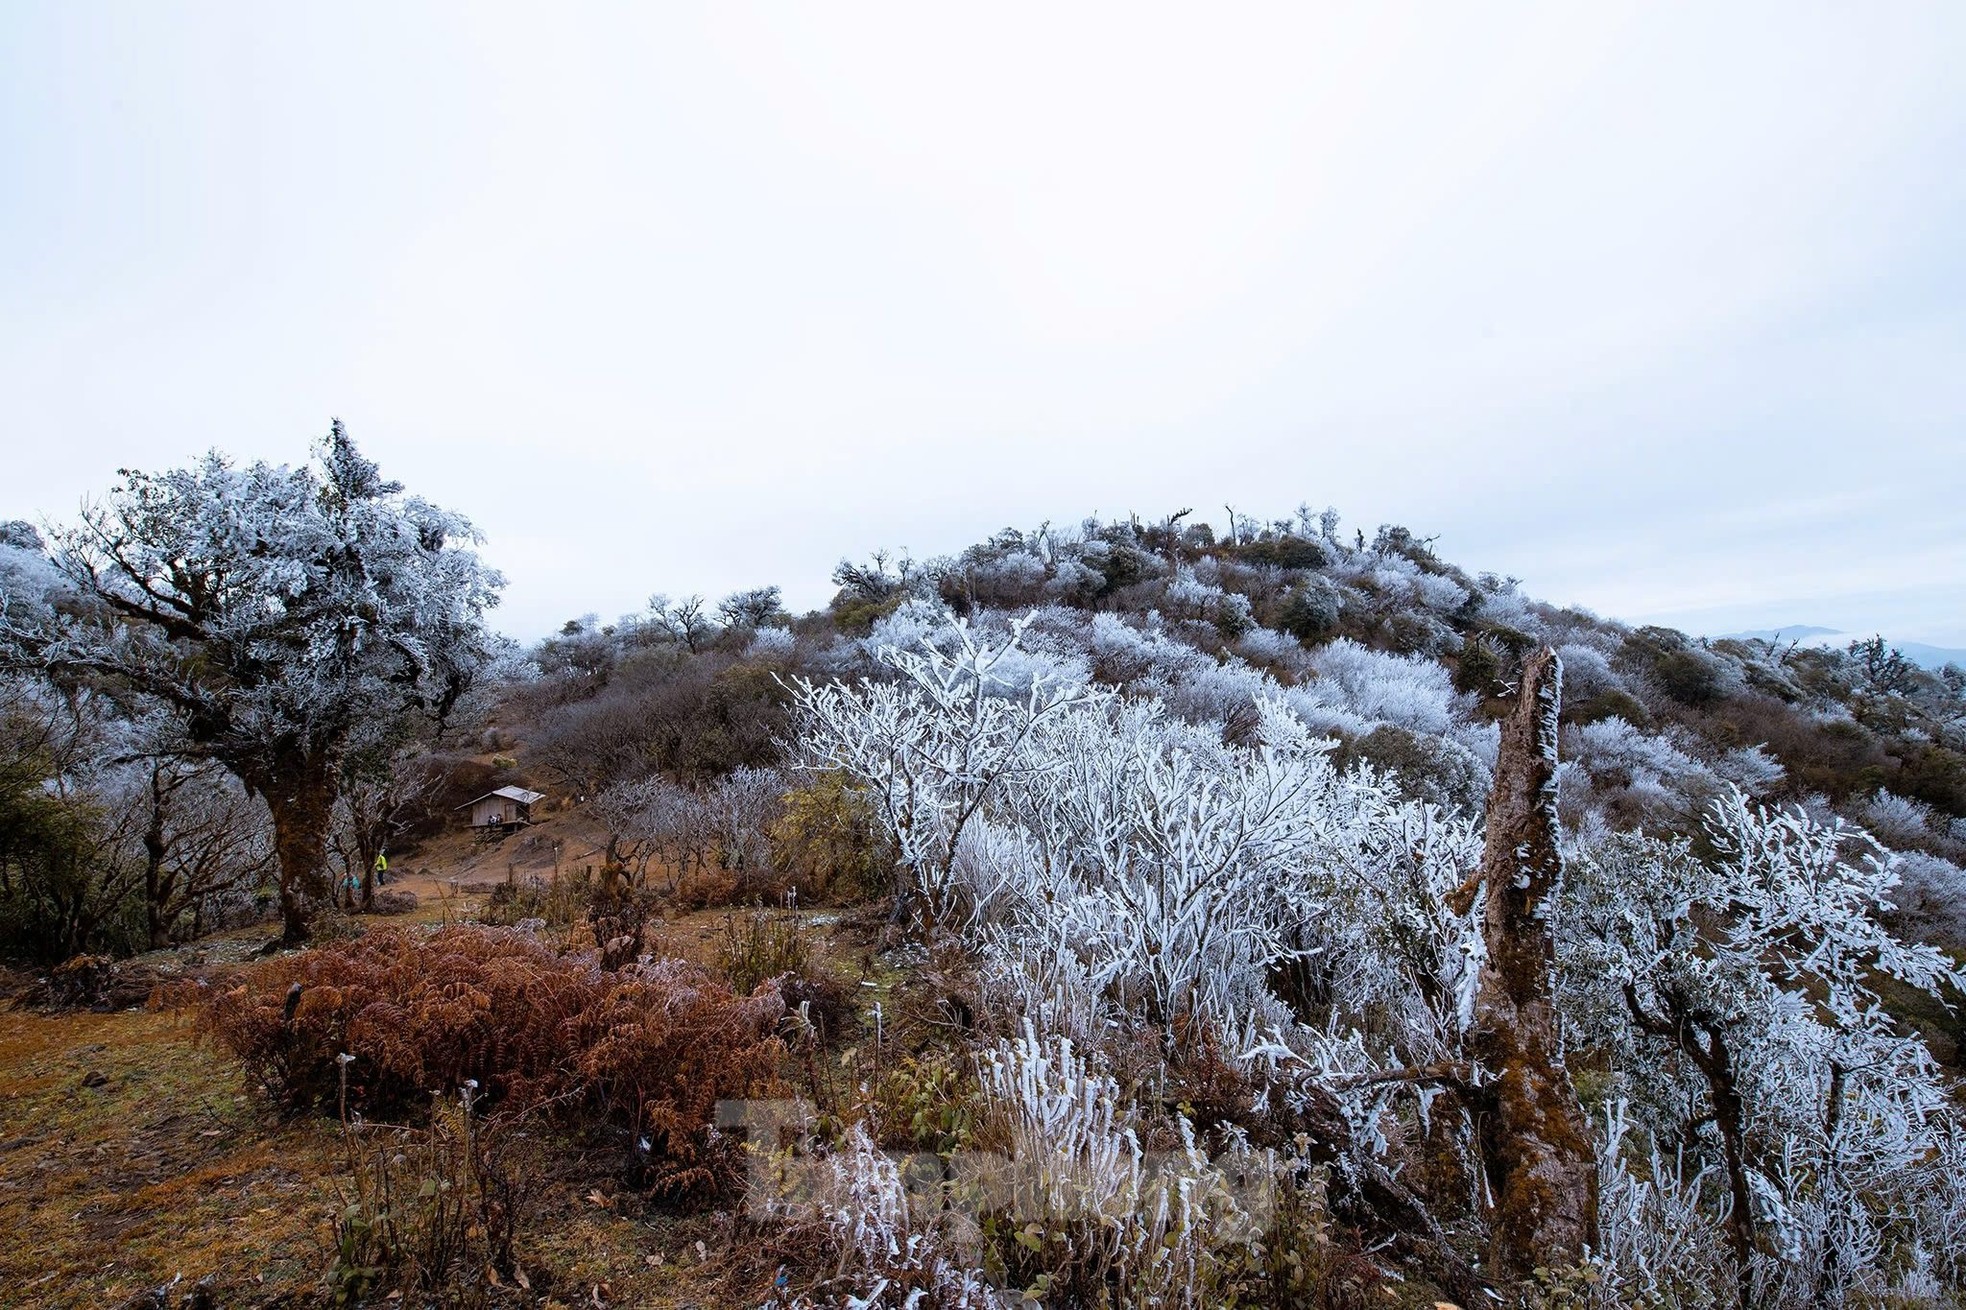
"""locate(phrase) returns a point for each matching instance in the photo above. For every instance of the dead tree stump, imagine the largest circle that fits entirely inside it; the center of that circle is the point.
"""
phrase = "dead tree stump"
(1536, 1143)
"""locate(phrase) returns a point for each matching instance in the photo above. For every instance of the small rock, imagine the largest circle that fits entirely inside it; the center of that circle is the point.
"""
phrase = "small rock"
(95, 1078)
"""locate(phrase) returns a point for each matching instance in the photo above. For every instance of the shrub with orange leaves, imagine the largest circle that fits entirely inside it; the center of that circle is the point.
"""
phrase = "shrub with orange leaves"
(649, 1048)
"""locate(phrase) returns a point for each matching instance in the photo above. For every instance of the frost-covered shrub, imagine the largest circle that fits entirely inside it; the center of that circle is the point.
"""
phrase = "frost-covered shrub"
(1586, 672)
(1897, 820)
(1420, 633)
(1440, 594)
(1074, 582)
(1053, 991)
(1187, 595)
(771, 644)
(1654, 771)
(1931, 898)
(1752, 769)
(1391, 583)
(1357, 686)
(1121, 653)
(1276, 651)
(1732, 999)
(1659, 1240)
(886, 1249)
(1504, 606)
(1111, 1222)
(931, 747)
(1210, 693)
(907, 627)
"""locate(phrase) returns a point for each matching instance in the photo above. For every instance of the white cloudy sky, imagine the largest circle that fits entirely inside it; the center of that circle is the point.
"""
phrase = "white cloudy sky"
(1662, 309)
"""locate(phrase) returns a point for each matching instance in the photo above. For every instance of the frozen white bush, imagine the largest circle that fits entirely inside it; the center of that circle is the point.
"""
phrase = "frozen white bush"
(1072, 577)
(1655, 772)
(1164, 851)
(1050, 989)
(1207, 692)
(771, 644)
(1438, 593)
(1120, 652)
(1367, 686)
(653, 820)
(1186, 596)
(1734, 996)
(1172, 869)
(1154, 1230)
(932, 746)
(1659, 1240)
(1505, 605)
(1752, 769)
(738, 811)
(912, 624)
(1123, 866)
(1586, 672)
(1268, 646)
(892, 1250)
(1394, 580)
(1931, 898)
(1481, 740)
(1897, 820)
(1017, 569)
(1377, 915)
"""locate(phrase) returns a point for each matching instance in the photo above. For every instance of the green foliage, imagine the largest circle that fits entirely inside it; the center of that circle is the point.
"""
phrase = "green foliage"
(559, 901)
(830, 842)
(1688, 677)
(67, 882)
(1478, 671)
(926, 1102)
(1289, 552)
(856, 616)
(1311, 611)
(1609, 705)
(1426, 767)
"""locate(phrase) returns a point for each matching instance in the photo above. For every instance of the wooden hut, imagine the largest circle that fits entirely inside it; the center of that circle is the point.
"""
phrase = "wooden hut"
(508, 807)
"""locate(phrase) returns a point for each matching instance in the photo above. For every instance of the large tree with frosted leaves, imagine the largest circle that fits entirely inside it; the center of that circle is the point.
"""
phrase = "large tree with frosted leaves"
(273, 613)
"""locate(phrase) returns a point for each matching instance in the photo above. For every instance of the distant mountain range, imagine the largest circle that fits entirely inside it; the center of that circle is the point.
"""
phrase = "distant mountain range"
(1931, 657)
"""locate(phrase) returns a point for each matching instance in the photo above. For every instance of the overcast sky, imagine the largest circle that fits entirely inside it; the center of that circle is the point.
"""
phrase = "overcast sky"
(1662, 309)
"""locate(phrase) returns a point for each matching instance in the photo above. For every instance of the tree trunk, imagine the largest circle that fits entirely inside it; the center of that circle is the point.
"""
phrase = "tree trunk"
(1715, 1061)
(302, 805)
(156, 889)
(1537, 1148)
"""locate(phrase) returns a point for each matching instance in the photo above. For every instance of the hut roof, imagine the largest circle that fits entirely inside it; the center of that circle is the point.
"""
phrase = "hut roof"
(519, 794)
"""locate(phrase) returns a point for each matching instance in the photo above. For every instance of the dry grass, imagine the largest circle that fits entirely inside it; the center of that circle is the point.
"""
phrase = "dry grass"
(168, 1166)
(128, 1157)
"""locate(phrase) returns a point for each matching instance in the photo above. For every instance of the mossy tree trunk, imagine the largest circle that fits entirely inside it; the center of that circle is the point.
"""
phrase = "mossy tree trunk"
(301, 801)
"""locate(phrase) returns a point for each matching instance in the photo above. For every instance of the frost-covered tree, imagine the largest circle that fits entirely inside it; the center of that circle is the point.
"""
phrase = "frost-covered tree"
(686, 621)
(756, 608)
(932, 748)
(271, 612)
(1735, 998)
